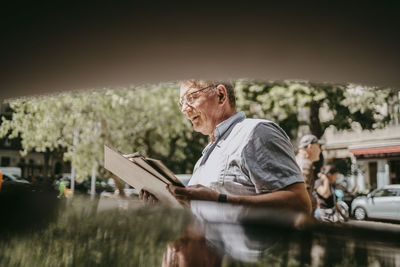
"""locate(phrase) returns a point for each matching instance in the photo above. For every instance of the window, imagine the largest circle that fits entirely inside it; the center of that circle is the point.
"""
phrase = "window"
(386, 193)
(394, 171)
(5, 161)
(373, 169)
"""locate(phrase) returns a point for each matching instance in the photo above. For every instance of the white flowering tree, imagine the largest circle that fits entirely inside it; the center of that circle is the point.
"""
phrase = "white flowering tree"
(144, 119)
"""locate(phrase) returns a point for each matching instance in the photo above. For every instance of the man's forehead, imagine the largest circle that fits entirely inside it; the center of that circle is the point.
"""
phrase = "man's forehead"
(188, 88)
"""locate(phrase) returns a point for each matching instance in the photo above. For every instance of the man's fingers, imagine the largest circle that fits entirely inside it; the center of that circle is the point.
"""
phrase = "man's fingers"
(181, 191)
(177, 190)
(181, 197)
(152, 198)
(147, 197)
(141, 194)
(129, 156)
(155, 200)
(181, 194)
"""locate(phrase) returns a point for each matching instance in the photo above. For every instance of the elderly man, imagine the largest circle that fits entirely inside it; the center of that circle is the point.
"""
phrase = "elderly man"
(248, 161)
(309, 152)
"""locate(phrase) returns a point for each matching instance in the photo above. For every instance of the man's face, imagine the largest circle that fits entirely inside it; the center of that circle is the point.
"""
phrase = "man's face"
(314, 151)
(203, 111)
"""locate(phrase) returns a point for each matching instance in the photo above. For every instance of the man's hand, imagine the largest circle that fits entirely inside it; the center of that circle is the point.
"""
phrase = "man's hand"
(193, 192)
(130, 156)
(147, 197)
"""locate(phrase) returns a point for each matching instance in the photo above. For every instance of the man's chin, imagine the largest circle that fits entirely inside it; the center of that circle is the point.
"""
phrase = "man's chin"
(195, 127)
(198, 129)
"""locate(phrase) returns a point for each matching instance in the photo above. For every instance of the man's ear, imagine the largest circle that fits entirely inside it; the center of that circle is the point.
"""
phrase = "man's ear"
(222, 93)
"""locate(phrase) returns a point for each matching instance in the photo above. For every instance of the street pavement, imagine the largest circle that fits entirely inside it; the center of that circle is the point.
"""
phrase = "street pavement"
(376, 225)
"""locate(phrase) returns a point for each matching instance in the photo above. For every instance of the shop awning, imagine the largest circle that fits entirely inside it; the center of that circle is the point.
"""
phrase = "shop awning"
(375, 150)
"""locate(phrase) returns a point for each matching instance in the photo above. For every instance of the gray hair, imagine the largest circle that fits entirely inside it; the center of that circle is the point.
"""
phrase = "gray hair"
(205, 83)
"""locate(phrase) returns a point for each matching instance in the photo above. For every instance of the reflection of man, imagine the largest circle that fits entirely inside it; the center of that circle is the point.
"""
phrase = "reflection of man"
(309, 151)
(248, 161)
(246, 234)
(191, 249)
(217, 230)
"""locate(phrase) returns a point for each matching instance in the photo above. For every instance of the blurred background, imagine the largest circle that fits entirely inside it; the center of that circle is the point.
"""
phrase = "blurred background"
(76, 76)
(61, 136)
(330, 70)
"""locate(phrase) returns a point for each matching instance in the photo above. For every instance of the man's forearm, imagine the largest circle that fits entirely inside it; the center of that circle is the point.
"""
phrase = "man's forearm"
(293, 197)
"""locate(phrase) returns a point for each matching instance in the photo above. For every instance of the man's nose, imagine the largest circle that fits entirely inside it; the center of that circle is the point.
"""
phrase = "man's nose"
(185, 107)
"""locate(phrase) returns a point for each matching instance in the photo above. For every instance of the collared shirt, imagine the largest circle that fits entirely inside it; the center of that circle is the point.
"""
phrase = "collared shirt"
(248, 157)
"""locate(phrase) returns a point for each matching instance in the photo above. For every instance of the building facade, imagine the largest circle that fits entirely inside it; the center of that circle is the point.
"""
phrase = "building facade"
(374, 155)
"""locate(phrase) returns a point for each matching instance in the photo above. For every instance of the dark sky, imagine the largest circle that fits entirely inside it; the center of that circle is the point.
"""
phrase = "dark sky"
(50, 47)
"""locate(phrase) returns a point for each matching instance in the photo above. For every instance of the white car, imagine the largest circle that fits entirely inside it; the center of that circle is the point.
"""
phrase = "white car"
(14, 178)
(382, 203)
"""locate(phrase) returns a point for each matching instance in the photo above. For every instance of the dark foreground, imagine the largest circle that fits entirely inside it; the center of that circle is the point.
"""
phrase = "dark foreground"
(47, 231)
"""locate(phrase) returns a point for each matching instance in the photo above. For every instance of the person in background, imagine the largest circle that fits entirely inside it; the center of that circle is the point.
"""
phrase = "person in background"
(325, 191)
(61, 187)
(309, 152)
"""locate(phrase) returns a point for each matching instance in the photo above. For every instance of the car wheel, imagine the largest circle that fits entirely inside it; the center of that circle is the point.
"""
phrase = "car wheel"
(360, 213)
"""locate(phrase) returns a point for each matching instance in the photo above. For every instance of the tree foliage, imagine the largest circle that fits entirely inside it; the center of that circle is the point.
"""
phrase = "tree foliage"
(146, 119)
(318, 106)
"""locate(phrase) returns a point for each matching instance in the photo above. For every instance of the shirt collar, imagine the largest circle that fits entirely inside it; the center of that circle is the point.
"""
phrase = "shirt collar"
(226, 124)
(223, 127)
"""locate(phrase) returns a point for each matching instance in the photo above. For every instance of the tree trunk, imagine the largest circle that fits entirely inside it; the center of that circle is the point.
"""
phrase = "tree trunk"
(315, 123)
(147, 142)
(46, 163)
(316, 129)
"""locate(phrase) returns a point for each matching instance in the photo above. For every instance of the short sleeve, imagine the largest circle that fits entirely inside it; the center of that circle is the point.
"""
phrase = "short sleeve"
(269, 159)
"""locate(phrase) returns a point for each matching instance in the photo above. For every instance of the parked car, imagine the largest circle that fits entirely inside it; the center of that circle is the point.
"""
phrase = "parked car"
(11, 170)
(382, 203)
(14, 178)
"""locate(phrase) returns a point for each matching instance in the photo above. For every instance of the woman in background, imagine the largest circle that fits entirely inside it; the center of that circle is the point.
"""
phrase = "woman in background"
(325, 192)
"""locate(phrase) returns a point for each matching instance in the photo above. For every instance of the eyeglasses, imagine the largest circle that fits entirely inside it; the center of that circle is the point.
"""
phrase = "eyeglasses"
(189, 98)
